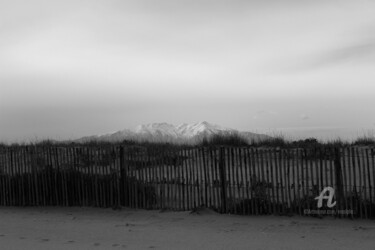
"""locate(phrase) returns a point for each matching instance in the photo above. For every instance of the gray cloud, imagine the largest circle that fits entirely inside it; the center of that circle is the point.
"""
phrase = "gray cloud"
(263, 114)
(350, 53)
(345, 52)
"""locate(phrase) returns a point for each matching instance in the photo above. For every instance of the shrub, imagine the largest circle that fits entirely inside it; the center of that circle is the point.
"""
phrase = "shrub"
(278, 141)
(259, 203)
(224, 139)
(364, 141)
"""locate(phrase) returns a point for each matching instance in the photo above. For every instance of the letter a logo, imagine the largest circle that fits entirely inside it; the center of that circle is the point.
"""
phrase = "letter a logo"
(329, 197)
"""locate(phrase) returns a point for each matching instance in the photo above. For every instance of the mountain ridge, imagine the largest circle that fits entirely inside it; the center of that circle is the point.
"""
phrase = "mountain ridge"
(165, 132)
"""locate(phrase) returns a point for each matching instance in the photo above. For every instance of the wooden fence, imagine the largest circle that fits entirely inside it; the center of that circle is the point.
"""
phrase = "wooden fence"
(226, 179)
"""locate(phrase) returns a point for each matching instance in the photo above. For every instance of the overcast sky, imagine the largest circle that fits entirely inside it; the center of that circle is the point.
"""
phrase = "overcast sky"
(74, 68)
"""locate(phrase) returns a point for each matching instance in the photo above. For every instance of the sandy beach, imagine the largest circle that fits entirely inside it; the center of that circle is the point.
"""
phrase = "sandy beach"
(93, 228)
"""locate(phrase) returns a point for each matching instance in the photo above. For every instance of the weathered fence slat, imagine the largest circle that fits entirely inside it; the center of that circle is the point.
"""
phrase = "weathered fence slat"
(370, 169)
(361, 193)
(223, 180)
(247, 187)
(344, 168)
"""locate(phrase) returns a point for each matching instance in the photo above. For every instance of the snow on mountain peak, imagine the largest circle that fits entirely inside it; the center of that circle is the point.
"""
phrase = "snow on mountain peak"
(190, 130)
(154, 126)
(168, 132)
(157, 129)
(183, 130)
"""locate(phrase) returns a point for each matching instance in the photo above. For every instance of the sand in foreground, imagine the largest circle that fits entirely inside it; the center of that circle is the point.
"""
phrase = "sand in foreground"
(94, 228)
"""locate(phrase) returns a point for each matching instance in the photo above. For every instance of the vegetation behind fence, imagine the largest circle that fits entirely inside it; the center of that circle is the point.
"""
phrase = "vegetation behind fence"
(238, 180)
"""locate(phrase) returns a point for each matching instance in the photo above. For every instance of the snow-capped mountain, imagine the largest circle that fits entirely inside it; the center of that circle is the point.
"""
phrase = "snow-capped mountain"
(201, 128)
(157, 129)
(165, 132)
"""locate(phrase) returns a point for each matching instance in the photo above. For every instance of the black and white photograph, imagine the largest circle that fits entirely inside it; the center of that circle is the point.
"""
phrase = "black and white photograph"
(186, 124)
